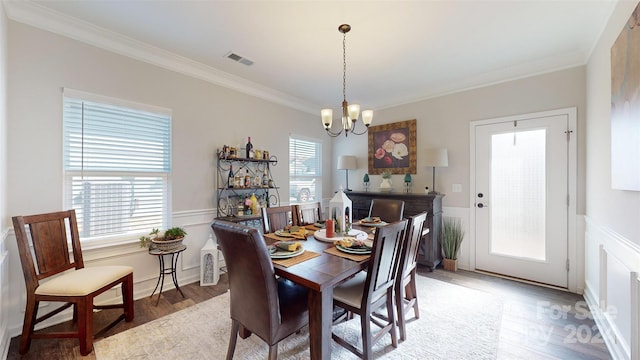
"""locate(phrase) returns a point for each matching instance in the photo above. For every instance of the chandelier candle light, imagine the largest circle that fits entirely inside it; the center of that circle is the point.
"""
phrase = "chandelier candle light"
(350, 113)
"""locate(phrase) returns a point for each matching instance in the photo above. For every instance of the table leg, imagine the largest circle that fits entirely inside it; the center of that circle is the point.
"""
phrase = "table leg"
(160, 279)
(174, 267)
(320, 321)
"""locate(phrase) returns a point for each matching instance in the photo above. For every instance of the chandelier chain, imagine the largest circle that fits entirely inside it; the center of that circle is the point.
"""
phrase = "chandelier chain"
(344, 66)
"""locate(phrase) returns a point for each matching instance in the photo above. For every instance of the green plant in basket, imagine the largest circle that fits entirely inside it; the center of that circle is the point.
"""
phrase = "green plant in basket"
(155, 235)
(386, 174)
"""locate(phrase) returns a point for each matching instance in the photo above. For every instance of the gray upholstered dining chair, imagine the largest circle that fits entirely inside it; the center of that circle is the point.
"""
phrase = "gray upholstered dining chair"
(370, 291)
(406, 296)
(389, 210)
(272, 308)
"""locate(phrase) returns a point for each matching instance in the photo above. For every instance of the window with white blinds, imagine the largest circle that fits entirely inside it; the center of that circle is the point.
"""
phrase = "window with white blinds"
(305, 170)
(117, 162)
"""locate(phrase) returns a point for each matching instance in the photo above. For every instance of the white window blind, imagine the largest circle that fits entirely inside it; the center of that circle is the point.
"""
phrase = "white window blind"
(305, 170)
(117, 162)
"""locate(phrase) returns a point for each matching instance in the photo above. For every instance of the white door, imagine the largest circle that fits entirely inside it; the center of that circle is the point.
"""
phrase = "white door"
(521, 198)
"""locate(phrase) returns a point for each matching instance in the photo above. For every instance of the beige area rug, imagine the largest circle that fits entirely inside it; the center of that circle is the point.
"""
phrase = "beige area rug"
(455, 323)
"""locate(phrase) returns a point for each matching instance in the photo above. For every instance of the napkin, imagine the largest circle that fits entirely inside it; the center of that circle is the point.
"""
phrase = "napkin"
(288, 245)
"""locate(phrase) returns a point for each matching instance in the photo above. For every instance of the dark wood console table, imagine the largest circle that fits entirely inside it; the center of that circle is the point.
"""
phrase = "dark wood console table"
(430, 252)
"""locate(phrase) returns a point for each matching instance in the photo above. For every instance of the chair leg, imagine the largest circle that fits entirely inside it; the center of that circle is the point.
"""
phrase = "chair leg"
(31, 311)
(273, 352)
(85, 325)
(235, 327)
(392, 320)
(127, 297)
(367, 339)
(414, 293)
(400, 311)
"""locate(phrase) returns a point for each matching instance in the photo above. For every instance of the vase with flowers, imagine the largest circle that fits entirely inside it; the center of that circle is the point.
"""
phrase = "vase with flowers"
(386, 184)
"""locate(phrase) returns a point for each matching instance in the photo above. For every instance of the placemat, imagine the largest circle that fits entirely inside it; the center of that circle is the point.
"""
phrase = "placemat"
(311, 227)
(306, 255)
(354, 257)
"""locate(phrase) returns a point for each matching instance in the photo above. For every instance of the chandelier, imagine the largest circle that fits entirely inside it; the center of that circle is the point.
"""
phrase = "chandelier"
(350, 113)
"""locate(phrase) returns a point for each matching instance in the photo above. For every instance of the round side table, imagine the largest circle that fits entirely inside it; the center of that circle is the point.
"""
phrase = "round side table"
(167, 270)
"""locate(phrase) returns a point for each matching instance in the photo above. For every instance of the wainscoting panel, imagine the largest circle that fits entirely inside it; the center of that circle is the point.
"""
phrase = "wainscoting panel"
(612, 267)
(5, 337)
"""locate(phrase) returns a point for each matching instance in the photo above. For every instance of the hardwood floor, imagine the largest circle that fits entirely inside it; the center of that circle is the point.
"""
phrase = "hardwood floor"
(537, 322)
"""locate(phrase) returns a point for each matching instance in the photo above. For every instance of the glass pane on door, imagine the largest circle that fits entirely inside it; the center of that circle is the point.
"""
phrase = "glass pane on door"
(518, 194)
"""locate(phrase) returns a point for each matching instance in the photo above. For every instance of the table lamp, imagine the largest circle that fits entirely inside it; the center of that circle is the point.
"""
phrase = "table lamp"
(436, 158)
(347, 162)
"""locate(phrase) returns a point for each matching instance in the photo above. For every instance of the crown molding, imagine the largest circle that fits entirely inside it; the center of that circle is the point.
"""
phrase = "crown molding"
(46, 19)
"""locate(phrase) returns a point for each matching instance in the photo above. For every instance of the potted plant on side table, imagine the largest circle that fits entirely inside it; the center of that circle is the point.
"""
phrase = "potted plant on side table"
(165, 241)
(452, 236)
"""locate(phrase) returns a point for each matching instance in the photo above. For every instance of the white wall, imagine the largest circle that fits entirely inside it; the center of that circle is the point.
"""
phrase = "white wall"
(612, 226)
(205, 116)
(4, 260)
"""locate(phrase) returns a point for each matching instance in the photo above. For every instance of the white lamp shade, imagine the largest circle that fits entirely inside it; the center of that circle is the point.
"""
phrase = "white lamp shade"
(354, 111)
(327, 117)
(367, 117)
(437, 158)
(347, 162)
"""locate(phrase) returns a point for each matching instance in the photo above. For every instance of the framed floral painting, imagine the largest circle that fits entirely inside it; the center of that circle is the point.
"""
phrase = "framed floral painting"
(392, 147)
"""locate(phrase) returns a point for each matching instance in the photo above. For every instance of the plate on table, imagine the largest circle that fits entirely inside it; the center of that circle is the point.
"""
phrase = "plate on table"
(321, 235)
(277, 253)
(355, 251)
(373, 221)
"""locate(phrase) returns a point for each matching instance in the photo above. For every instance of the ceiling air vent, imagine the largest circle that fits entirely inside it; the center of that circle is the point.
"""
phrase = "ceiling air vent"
(238, 58)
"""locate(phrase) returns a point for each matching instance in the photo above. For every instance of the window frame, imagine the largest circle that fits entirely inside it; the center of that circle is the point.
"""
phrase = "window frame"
(165, 176)
(319, 144)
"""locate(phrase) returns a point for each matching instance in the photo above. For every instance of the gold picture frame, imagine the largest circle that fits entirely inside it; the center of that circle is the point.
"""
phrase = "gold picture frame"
(392, 147)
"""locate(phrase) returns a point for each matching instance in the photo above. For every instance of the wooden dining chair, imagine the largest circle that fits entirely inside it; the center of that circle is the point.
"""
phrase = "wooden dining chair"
(276, 218)
(272, 308)
(370, 291)
(389, 210)
(406, 296)
(307, 213)
(54, 276)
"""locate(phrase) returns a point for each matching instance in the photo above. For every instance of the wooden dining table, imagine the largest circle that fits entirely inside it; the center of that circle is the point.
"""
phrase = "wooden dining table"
(320, 275)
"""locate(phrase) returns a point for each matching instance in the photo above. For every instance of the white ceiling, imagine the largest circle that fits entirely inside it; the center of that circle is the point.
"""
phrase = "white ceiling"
(397, 51)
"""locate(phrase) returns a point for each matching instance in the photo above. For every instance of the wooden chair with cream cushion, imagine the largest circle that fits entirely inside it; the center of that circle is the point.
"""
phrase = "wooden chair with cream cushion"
(389, 210)
(307, 213)
(262, 304)
(276, 218)
(406, 296)
(67, 280)
(370, 291)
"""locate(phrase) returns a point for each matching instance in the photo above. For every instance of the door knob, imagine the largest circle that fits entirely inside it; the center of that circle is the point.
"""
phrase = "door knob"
(481, 205)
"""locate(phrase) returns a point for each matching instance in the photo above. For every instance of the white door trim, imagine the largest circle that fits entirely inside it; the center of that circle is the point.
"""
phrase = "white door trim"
(572, 248)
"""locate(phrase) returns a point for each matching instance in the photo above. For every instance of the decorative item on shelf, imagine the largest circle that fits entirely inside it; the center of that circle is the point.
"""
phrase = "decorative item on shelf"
(365, 181)
(452, 236)
(385, 185)
(407, 183)
(350, 113)
(346, 163)
(436, 158)
(164, 241)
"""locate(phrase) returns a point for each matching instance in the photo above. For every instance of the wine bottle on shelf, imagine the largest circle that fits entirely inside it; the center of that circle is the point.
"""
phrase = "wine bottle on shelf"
(250, 153)
(247, 180)
(231, 178)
